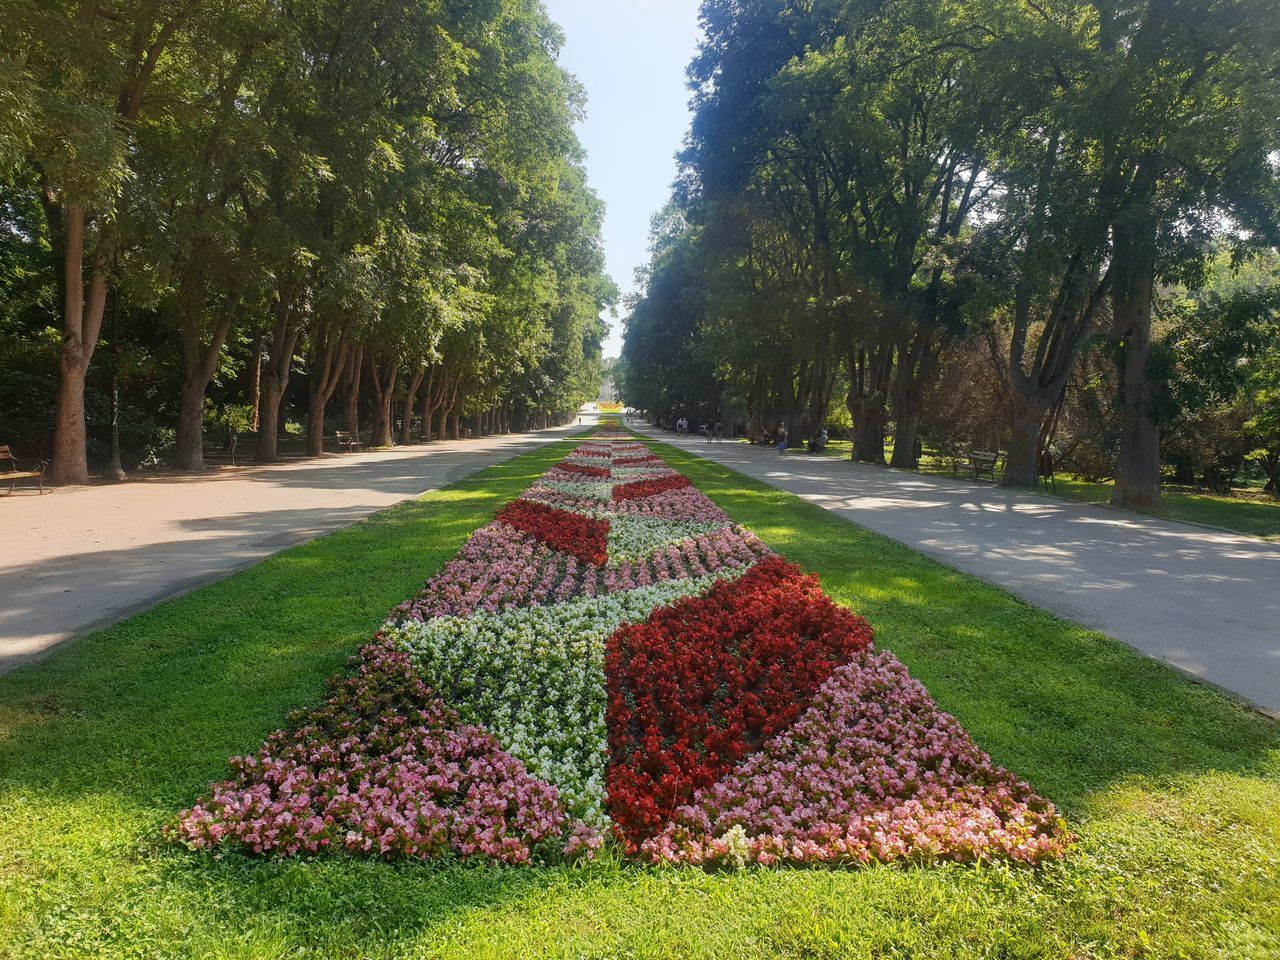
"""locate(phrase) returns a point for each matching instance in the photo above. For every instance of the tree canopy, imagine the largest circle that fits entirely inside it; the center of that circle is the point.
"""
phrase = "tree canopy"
(265, 203)
(873, 191)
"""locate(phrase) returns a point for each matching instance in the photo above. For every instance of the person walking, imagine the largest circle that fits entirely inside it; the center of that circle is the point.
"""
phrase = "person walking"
(782, 437)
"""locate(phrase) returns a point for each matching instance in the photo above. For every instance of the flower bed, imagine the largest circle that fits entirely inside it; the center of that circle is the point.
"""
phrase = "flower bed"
(568, 466)
(612, 628)
(872, 771)
(382, 767)
(583, 537)
(704, 683)
(640, 489)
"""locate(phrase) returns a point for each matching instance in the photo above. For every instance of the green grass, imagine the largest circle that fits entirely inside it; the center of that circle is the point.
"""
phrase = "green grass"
(1249, 512)
(1173, 788)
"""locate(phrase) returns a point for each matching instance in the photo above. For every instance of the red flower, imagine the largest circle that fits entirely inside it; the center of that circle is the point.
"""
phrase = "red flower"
(647, 488)
(636, 460)
(586, 471)
(707, 681)
(583, 537)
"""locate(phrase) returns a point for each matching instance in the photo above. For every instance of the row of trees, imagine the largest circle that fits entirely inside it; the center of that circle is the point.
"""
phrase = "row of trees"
(385, 195)
(873, 186)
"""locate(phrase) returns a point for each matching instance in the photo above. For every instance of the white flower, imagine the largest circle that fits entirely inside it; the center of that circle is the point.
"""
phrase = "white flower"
(535, 678)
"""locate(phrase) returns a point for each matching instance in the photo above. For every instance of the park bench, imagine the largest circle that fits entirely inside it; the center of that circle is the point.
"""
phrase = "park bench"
(982, 462)
(347, 442)
(14, 471)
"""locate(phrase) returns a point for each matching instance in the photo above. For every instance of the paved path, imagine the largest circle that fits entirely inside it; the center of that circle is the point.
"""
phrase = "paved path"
(80, 559)
(1204, 601)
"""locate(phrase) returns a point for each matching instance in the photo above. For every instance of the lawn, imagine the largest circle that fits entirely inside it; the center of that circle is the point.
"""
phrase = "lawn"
(1173, 789)
(1250, 512)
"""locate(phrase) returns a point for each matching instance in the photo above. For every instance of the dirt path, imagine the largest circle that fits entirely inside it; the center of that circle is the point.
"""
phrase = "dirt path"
(1204, 601)
(80, 559)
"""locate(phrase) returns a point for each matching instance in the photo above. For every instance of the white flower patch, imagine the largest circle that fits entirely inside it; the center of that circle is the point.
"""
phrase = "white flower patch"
(601, 490)
(596, 509)
(535, 678)
(635, 537)
(641, 473)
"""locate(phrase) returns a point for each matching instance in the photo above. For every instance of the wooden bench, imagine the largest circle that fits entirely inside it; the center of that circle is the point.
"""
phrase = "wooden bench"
(347, 442)
(14, 473)
(983, 462)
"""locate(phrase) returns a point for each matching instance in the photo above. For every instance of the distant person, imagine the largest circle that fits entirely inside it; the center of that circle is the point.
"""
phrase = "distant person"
(719, 430)
(782, 437)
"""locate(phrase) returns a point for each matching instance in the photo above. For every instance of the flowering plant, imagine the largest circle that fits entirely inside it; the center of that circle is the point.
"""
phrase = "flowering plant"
(647, 488)
(704, 683)
(583, 537)
(612, 628)
(382, 767)
(586, 470)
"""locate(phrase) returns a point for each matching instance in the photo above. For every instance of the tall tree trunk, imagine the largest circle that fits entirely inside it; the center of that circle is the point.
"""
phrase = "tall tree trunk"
(410, 398)
(1021, 467)
(329, 357)
(81, 324)
(917, 363)
(424, 434)
(351, 375)
(1137, 483)
(284, 338)
(383, 376)
(199, 363)
(428, 412)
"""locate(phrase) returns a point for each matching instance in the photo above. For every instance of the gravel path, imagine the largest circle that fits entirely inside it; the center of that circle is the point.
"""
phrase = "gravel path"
(1204, 601)
(83, 558)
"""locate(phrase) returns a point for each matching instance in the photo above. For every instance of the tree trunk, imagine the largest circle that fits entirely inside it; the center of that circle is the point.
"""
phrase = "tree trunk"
(200, 364)
(917, 363)
(1137, 483)
(428, 407)
(189, 442)
(1021, 466)
(329, 358)
(428, 415)
(868, 429)
(81, 322)
(384, 388)
(283, 340)
(410, 399)
(351, 374)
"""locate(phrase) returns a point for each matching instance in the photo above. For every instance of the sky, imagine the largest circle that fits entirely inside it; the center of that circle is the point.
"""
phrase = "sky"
(631, 57)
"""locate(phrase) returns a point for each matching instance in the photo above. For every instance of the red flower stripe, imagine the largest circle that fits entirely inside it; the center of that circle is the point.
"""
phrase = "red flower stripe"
(639, 489)
(707, 681)
(586, 471)
(586, 538)
(636, 461)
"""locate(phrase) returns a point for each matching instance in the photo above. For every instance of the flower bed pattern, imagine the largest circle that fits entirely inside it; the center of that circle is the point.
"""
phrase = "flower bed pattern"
(582, 537)
(611, 655)
(706, 682)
